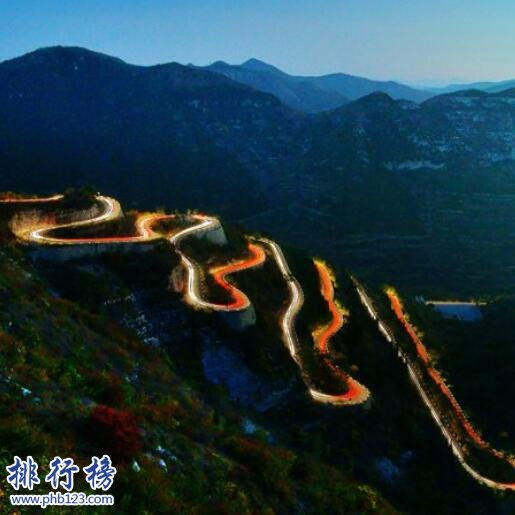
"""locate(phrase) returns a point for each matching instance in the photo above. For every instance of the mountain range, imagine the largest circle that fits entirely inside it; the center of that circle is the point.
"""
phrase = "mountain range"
(70, 115)
(489, 87)
(309, 93)
(417, 193)
(373, 183)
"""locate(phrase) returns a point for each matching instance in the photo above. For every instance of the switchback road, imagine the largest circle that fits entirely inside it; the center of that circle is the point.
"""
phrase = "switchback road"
(110, 210)
(434, 408)
(356, 393)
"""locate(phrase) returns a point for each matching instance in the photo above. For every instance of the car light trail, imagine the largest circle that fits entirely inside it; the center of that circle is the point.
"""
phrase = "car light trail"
(437, 378)
(356, 392)
(239, 299)
(294, 305)
(454, 444)
(111, 210)
(336, 323)
(290, 337)
(28, 200)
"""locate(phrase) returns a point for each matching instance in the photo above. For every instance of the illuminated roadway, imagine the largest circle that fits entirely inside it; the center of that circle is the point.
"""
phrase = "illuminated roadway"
(239, 301)
(295, 303)
(35, 200)
(356, 393)
(111, 210)
(454, 444)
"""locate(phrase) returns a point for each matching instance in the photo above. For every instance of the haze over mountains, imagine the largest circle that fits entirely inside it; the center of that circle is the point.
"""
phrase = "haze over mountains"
(363, 182)
(312, 94)
(489, 87)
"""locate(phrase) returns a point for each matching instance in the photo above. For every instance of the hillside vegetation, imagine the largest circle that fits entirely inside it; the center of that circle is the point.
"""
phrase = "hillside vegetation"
(74, 383)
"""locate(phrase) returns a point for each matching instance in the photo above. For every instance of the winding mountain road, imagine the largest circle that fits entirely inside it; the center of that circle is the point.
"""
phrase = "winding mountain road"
(111, 210)
(239, 300)
(454, 443)
(356, 393)
(295, 302)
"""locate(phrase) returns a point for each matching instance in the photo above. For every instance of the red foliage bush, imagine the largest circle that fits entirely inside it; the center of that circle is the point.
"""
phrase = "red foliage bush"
(116, 432)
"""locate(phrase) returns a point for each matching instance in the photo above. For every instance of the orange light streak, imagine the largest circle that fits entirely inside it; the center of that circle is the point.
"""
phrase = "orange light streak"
(356, 392)
(438, 380)
(239, 299)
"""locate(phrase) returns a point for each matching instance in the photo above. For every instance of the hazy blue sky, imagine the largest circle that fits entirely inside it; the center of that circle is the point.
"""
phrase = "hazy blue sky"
(402, 39)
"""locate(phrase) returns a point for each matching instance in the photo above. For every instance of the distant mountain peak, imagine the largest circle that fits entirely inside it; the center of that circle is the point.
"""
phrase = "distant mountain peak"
(58, 54)
(310, 93)
(470, 93)
(452, 96)
(376, 98)
(259, 66)
(74, 51)
(220, 63)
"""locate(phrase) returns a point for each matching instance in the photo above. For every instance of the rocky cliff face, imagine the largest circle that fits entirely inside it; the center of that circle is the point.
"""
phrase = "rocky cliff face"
(462, 129)
(62, 253)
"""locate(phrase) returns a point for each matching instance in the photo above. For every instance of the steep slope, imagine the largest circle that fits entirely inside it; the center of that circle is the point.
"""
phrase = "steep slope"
(75, 383)
(153, 132)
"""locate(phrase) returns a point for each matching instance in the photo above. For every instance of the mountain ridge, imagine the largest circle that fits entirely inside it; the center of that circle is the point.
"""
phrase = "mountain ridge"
(119, 115)
(311, 93)
(488, 86)
(177, 135)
